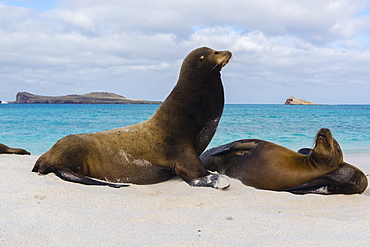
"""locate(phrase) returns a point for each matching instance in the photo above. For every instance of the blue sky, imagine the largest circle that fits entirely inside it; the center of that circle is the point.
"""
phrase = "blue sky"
(313, 50)
(31, 4)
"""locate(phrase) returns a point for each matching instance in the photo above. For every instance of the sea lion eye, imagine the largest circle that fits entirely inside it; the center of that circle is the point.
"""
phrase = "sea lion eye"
(201, 58)
(216, 53)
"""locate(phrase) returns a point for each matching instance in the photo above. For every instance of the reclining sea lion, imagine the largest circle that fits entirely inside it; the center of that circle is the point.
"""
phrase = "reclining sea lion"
(265, 165)
(8, 150)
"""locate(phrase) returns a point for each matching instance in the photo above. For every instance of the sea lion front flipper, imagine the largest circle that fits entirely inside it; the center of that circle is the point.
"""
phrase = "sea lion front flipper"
(212, 180)
(234, 146)
(305, 151)
(78, 178)
(195, 174)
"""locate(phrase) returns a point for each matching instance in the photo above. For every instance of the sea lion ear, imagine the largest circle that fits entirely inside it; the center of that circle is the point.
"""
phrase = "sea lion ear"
(201, 58)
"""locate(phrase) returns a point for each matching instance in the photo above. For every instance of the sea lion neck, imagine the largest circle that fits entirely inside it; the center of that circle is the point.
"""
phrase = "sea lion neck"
(198, 97)
(194, 104)
(327, 151)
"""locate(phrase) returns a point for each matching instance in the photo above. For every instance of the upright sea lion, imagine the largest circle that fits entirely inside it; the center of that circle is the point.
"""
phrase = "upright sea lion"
(167, 144)
(8, 150)
(265, 165)
(347, 179)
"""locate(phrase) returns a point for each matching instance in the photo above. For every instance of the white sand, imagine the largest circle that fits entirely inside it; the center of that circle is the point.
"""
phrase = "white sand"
(47, 211)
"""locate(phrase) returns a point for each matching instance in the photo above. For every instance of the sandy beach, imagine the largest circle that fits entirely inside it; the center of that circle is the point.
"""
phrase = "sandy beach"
(47, 211)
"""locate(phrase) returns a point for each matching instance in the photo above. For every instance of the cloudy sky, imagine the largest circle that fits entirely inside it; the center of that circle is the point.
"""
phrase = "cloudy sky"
(314, 50)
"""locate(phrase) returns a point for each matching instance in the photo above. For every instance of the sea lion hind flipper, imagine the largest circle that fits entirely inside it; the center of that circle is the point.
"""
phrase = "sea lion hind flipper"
(212, 180)
(21, 151)
(347, 179)
(234, 146)
(78, 178)
(316, 186)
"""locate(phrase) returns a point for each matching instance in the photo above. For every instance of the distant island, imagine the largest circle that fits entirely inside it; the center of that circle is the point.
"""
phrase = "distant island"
(295, 101)
(90, 98)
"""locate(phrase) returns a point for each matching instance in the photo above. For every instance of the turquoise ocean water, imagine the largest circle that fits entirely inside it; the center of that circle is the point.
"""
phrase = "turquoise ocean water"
(36, 127)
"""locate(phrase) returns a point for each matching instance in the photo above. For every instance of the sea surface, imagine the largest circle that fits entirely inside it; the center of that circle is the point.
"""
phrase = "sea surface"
(36, 127)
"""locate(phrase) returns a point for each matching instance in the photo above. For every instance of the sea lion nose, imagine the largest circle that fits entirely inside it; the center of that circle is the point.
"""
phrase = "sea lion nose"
(224, 58)
(228, 54)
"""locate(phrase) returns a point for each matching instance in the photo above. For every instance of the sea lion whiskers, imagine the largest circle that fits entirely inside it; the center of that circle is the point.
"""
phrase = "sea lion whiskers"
(223, 63)
(323, 137)
(222, 60)
(214, 67)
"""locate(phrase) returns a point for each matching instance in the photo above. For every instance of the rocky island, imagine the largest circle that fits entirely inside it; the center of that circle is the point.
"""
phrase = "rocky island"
(90, 98)
(295, 101)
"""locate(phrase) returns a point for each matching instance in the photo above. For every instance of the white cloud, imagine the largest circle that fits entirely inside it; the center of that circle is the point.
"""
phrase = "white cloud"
(315, 50)
(74, 20)
(10, 14)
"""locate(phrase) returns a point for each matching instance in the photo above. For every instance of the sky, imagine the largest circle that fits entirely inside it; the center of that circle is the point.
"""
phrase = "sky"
(316, 50)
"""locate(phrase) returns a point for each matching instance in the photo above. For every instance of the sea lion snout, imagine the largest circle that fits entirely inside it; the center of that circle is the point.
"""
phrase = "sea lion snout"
(325, 137)
(327, 149)
(223, 57)
(324, 133)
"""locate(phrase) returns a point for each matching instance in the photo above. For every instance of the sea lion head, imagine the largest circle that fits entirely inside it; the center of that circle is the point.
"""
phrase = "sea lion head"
(326, 150)
(203, 62)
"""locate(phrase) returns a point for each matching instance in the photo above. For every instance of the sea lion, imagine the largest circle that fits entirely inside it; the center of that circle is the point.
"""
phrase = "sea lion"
(347, 179)
(8, 150)
(167, 144)
(265, 165)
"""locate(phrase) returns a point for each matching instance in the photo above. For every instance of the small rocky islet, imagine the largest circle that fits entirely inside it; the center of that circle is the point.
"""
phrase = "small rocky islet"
(90, 98)
(295, 101)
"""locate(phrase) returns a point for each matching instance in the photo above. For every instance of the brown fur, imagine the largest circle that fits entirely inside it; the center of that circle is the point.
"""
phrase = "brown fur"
(265, 165)
(167, 144)
(347, 179)
(7, 150)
